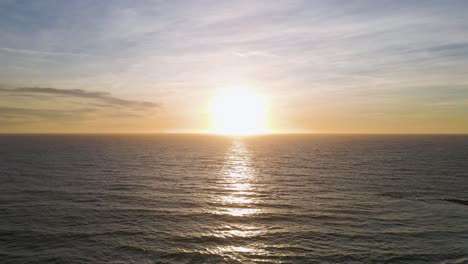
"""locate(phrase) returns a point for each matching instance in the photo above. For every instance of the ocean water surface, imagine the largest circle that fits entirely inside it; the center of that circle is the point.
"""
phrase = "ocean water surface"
(217, 199)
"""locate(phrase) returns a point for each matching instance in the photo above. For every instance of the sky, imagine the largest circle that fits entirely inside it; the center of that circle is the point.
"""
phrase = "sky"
(152, 66)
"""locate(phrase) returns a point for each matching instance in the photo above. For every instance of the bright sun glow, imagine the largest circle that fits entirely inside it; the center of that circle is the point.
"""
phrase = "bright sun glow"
(239, 111)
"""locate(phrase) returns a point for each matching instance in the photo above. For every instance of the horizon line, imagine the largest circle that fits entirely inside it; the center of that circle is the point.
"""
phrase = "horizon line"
(234, 135)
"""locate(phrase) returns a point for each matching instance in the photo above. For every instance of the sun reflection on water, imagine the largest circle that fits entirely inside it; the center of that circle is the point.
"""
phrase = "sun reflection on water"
(238, 230)
(239, 196)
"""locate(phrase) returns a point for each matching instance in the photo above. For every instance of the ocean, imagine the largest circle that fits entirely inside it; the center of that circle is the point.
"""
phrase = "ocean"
(220, 199)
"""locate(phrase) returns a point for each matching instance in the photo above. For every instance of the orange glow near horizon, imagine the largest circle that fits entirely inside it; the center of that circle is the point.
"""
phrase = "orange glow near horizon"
(239, 112)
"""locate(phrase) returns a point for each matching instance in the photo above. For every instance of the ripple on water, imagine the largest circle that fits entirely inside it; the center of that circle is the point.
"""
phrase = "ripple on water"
(207, 199)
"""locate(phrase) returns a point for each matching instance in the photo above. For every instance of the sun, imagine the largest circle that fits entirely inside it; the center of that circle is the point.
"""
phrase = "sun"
(239, 111)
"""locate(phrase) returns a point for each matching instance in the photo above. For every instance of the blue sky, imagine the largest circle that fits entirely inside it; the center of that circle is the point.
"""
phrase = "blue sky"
(329, 66)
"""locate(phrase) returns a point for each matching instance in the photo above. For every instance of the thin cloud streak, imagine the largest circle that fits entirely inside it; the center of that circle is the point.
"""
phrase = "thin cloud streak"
(40, 53)
(64, 107)
(21, 113)
(104, 97)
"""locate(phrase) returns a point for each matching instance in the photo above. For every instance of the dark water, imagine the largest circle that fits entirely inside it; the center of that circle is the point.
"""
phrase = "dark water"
(207, 199)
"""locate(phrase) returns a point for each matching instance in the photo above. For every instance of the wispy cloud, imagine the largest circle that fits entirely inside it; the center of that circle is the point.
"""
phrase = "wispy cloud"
(64, 107)
(40, 53)
(255, 53)
(102, 97)
(9, 113)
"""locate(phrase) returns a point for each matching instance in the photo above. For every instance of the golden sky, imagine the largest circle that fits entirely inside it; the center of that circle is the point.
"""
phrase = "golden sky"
(162, 66)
